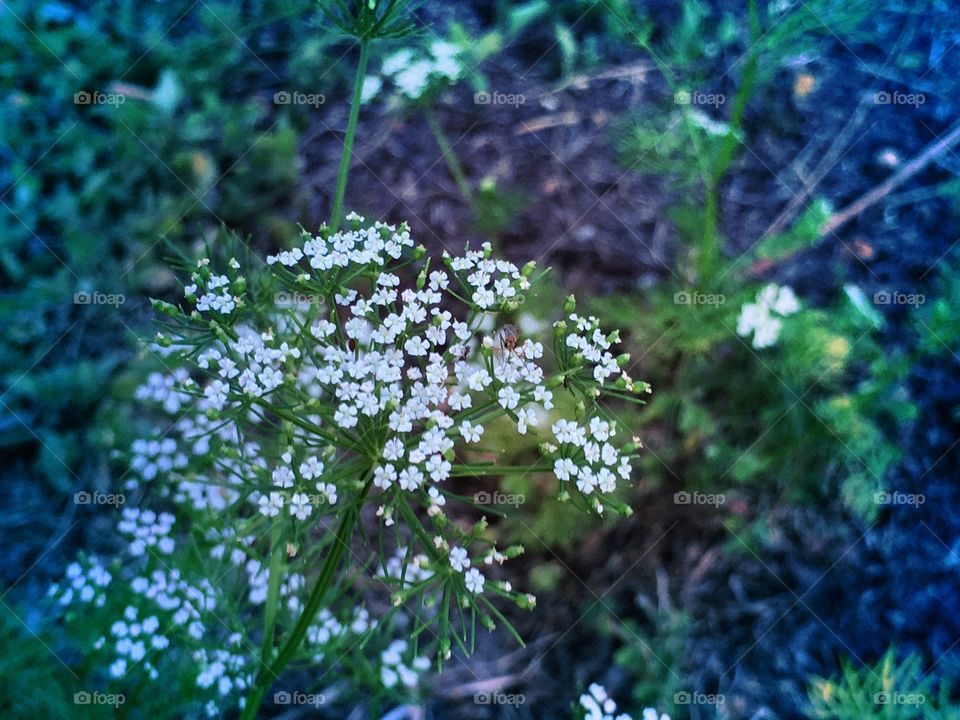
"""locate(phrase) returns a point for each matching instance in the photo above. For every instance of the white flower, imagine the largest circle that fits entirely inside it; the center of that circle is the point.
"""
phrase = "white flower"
(283, 477)
(300, 506)
(271, 505)
(564, 469)
(459, 560)
(760, 318)
(311, 468)
(508, 398)
(470, 432)
(474, 580)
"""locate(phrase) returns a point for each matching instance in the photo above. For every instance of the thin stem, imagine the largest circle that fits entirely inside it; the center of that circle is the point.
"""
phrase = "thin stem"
(347, 156)
(320, 589)
(449, 156)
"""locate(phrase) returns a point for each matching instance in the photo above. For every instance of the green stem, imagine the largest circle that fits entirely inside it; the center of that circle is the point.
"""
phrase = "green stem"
(710, 242)
(339, 547)
(273, 592)
(337, 214)
(449, 156)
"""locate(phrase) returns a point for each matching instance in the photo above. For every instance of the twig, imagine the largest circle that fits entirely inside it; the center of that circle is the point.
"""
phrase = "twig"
(933, 151)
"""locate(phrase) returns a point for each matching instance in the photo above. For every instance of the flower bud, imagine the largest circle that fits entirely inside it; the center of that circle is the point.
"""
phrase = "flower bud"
(165, 307)
(528, 268)
(570, 305)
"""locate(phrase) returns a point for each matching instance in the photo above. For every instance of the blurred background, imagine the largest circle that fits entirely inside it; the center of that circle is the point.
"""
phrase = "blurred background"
(795, 544)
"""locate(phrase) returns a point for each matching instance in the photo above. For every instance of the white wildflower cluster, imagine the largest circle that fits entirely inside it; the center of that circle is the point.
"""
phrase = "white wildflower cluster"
(148, 530)
(764, 318)
(395, 667)
(378, 388)
(414, 73)
(132, 639)
(587, 457)
(600, 706)
(84, 585)
(226, 670)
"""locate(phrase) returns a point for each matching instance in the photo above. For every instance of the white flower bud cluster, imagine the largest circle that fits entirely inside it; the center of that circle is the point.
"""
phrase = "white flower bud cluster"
(763, 318)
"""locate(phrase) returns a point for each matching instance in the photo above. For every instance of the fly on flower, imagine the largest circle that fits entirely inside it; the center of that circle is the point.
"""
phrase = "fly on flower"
(508, 338)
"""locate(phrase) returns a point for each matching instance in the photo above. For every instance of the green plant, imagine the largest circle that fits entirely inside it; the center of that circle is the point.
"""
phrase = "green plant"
(889, 690)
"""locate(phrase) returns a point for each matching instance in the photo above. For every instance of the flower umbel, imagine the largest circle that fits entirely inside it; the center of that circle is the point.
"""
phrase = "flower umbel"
(349, 371)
